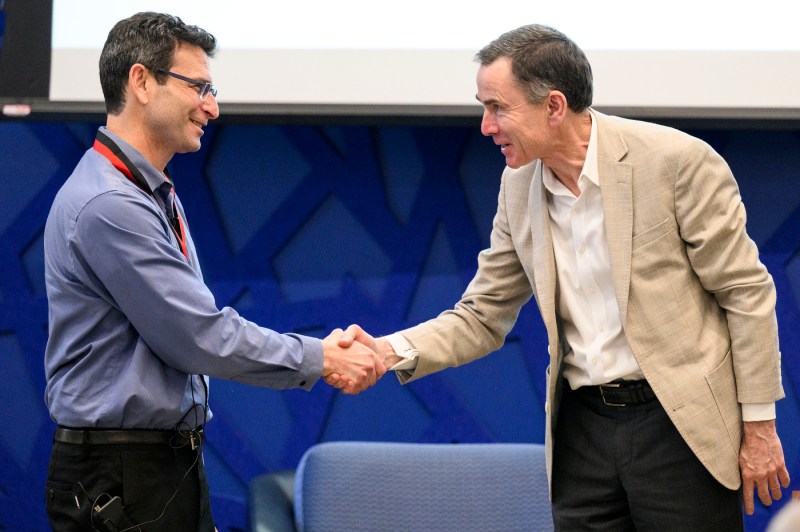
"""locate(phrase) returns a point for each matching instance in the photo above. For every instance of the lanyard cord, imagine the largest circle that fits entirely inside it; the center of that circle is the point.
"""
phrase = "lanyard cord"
(108, 149)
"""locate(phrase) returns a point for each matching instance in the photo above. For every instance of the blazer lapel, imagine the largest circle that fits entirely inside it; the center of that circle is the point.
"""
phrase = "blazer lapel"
(617, 194)
(543, 259)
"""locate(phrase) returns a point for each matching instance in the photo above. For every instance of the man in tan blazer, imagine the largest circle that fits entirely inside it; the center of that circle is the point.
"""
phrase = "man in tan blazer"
(660, 317)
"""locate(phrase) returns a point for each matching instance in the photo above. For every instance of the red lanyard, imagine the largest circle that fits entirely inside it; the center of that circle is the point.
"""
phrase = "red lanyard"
(108, 149)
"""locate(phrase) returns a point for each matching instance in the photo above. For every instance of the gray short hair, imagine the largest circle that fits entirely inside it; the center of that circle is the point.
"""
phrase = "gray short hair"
(544, 59)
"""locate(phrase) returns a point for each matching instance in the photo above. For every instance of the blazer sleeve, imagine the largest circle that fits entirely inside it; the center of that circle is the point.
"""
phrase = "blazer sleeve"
(488, 309)
(712, 220)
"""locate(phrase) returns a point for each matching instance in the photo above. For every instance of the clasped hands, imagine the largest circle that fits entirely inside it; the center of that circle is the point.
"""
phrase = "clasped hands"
(354, 360)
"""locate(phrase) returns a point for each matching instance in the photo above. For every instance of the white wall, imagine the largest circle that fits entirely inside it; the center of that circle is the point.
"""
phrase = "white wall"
(687, 56)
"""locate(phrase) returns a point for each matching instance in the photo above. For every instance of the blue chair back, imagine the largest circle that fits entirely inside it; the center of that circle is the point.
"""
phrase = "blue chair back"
(385, 487)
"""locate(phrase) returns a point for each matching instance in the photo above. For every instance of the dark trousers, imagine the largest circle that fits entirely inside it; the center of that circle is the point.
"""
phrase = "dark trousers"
(148, 478)
(627, 468)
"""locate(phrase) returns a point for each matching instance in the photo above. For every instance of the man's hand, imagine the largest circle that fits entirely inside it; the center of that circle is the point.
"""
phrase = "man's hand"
(355, 334)
(352, 368)
(381, 346)
(761, 463)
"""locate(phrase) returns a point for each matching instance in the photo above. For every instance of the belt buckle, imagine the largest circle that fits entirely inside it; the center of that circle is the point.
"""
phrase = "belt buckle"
(609, 385)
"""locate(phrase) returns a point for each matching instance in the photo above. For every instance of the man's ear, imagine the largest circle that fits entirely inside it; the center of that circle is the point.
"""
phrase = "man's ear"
(556, 107)
(140, 83)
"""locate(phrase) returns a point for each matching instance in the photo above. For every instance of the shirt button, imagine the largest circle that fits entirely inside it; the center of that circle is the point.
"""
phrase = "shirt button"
(302, 383)
(582, 249)
(592, 289)
(594, 362)
(601, 327)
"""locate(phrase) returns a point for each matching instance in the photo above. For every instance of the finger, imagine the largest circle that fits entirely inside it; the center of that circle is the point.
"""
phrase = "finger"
(369, 380)
(338, 384)
(381, 368)
(775, 489)
(354, 329)
(337, 380)
(783, 476)
(353, 388)
(349, 336)
(363, 382)
(763, 493)
(334, 335)
(346, 386)
(747, 497)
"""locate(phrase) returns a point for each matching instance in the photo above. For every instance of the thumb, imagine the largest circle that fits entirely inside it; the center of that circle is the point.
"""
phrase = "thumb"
(349, 336)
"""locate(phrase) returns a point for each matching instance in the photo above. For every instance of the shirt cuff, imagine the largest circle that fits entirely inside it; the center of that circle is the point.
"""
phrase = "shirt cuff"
(404, 350)
(758, 411)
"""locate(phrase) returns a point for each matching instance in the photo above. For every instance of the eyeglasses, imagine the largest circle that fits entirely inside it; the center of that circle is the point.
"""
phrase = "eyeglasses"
(205, 87)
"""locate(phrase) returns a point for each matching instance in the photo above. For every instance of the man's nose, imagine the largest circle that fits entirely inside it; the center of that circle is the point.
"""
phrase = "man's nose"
(488, 124)
(210, 106)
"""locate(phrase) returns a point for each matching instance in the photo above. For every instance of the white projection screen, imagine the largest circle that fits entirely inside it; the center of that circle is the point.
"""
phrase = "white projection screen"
(683, 58)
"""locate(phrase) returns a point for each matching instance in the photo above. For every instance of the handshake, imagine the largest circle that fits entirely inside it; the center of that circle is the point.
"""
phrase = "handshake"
(354, 360)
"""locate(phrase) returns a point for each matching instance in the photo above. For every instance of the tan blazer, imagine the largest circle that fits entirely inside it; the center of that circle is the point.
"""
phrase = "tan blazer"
(697, 305)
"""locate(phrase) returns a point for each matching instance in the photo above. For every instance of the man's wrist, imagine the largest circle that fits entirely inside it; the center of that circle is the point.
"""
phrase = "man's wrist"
(404, 355)
(387, 353)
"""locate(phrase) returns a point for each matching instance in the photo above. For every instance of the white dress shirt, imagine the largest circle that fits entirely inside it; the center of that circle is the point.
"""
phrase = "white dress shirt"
(588, 307)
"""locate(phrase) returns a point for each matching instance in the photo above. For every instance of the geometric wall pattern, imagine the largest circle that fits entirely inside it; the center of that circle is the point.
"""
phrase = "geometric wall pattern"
(306, 228)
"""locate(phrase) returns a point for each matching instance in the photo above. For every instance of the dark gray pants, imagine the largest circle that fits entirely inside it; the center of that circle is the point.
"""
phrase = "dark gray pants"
(627, 468)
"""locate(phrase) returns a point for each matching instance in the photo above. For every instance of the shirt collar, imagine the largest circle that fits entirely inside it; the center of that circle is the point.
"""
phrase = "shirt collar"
(155, 178)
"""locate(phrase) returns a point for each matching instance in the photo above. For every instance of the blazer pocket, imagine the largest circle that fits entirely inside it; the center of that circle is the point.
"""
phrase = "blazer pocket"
(723, 387)
(651, 234)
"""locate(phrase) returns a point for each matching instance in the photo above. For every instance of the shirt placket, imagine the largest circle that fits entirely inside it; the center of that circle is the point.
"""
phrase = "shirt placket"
(586, 262)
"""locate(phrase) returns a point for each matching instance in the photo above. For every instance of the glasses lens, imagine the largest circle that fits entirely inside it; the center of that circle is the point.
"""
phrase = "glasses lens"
(207, 89)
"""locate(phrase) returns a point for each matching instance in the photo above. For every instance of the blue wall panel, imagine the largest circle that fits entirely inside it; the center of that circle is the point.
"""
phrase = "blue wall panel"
(305, 228)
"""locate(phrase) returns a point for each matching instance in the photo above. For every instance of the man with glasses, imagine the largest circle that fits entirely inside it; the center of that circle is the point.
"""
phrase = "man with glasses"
(134, 332)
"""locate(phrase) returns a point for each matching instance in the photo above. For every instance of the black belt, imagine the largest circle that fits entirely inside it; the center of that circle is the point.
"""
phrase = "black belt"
(123, 437)
(621, 393)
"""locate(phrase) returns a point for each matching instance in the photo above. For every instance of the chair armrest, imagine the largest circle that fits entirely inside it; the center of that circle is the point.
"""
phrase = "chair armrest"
(270, 500)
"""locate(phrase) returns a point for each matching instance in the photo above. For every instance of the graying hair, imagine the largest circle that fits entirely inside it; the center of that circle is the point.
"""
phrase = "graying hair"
(543, 59)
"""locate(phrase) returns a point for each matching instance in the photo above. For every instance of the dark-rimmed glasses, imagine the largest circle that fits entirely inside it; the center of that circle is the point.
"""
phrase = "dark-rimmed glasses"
(205, 87)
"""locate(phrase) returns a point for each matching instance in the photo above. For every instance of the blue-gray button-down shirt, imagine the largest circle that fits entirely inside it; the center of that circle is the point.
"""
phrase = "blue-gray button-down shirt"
(132, 325)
